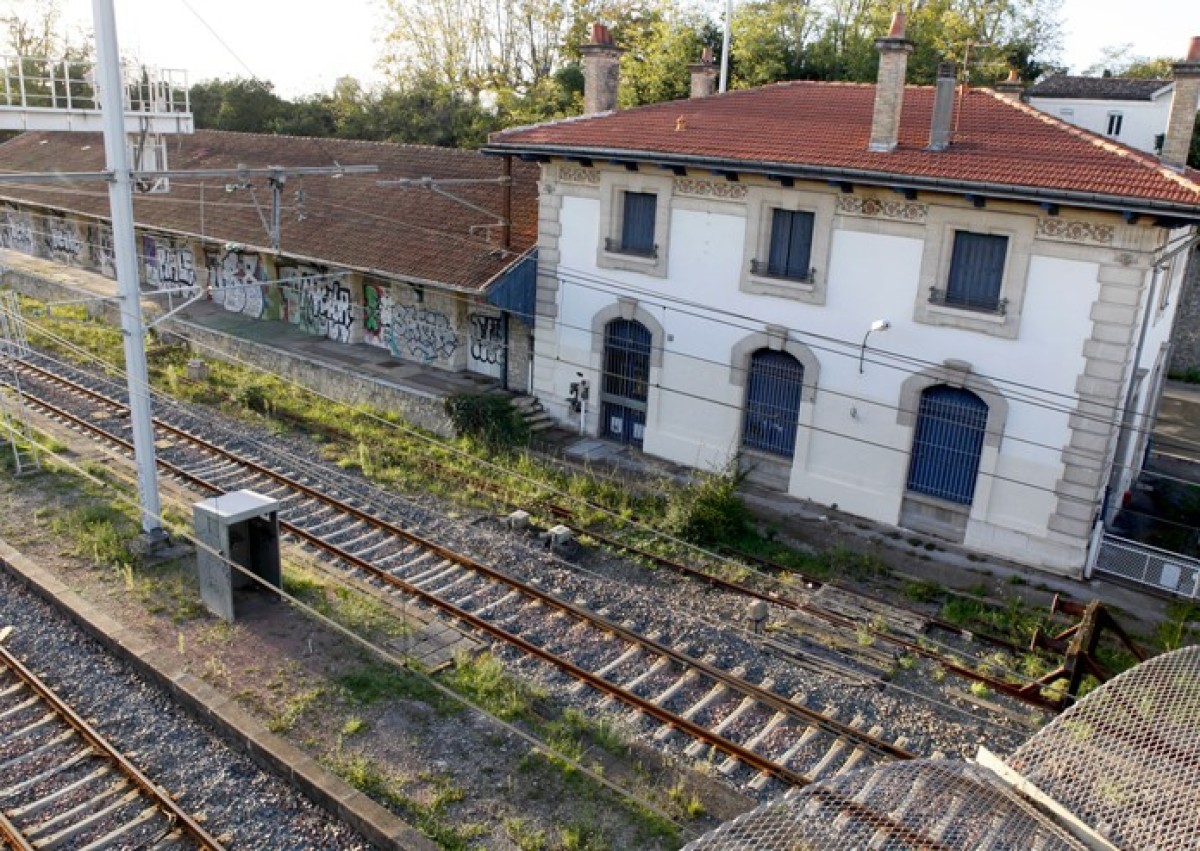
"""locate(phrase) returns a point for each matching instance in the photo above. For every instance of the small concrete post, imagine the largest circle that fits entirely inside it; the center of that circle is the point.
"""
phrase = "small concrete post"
(756, 616)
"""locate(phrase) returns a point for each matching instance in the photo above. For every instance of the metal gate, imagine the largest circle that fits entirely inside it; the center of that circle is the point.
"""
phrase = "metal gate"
(951, 423)
(626, 380)
(1145, 565)
(773, 391)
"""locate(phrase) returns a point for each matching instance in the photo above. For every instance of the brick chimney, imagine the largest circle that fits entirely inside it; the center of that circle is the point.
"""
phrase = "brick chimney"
(704, 75)
(943, 106)
(1183, 109)
(889, 89)
(1012, 88)
(601, 71)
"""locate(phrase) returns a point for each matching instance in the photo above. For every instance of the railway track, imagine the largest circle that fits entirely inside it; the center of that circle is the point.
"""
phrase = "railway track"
(63, 785)
(761, 735)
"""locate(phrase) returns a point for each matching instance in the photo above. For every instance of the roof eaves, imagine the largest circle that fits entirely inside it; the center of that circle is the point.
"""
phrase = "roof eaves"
(1012, 192)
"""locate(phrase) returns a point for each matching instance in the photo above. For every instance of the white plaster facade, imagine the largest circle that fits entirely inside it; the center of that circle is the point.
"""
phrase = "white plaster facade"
(1140, 123)
(1053, 369)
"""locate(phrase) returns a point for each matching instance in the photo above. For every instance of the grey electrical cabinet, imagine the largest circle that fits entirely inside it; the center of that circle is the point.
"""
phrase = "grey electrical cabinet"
(241, 528)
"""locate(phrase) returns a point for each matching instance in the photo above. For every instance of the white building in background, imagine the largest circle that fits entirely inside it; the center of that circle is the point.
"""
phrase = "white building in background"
(1133, 112)
(930, 311)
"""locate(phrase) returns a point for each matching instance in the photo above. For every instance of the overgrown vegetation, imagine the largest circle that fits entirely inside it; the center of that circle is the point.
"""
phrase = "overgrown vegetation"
(492, 421)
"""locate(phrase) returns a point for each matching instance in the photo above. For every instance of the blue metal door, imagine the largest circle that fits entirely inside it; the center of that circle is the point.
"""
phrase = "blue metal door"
(951, 424)
(626, 380)
(773, 391)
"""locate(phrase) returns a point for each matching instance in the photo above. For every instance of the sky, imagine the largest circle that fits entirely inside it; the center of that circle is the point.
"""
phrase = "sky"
(305, 52)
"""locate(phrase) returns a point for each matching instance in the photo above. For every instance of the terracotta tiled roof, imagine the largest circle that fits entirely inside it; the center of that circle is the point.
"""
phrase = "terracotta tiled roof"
(349, 221)
(1097, 88)
(822, 130)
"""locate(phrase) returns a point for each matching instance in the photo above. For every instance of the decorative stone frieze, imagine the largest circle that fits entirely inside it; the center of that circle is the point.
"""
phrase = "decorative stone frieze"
(578, 174)
(1066, 230)
(710, 188)
(879, 208)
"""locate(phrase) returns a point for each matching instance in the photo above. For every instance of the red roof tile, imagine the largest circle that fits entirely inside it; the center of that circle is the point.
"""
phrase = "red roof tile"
(823, 129)
(348, 221)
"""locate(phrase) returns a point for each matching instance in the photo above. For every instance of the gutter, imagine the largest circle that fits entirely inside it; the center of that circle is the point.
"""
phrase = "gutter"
(1000, 191)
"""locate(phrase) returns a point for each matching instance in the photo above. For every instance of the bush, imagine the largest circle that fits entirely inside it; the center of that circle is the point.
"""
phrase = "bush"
(491, 420)
(709, 511)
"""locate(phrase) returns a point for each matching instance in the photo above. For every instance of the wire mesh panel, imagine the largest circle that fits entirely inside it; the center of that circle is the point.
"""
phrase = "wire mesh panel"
(1126, 758)
(951, 423)
(926, 804)
(773, 391)
(1151, 566)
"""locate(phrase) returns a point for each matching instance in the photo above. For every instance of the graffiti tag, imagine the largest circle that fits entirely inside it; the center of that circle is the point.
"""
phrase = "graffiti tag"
(487, 338)
(422, 334)
(235, 280)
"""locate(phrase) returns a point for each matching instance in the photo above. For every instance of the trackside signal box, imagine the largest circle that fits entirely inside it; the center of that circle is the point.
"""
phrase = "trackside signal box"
(239, 528)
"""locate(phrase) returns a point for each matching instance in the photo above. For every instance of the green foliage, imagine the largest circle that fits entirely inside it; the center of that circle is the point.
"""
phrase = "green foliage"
(484, 681)
(708, 511)
(101, 531)
(490, 420)
(923, 592)
(376, 682)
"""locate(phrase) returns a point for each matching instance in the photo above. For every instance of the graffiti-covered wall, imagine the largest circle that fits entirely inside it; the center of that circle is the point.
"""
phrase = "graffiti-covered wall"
(378, 310)
(428, 327)
(104, 258)
(168, 264)
(62, 241)
(320, 300)
(237, 280)
(16, 230)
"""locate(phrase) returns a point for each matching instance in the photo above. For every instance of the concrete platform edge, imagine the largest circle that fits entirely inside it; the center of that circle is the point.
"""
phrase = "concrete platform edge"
(378, 825)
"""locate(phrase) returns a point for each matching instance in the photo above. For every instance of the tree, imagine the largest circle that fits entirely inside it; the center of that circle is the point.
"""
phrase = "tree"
(241, 104)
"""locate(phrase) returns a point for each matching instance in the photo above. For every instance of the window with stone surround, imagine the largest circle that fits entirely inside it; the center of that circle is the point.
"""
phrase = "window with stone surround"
(634, 221)
(790, 250)
(976, 275)
(975, 269)
(788, 235)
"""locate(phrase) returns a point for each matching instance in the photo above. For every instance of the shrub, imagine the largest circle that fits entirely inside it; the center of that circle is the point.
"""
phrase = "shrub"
(491, 420)
(709, 511)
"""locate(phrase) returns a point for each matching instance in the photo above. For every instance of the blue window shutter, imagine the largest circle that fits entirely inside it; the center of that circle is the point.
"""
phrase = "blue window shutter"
(947, 444)
(976, 270)
(791, 243)
(637, 228)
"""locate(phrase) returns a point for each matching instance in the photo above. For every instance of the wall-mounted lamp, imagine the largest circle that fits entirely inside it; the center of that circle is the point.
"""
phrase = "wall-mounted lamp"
(877, 325)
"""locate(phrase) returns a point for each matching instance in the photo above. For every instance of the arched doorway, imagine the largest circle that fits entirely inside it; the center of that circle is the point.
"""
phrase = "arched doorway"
(774, 387)
(625, 388)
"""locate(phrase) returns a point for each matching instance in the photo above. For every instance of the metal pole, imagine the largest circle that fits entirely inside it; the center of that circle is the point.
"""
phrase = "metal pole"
(725, 46)
(120, 198)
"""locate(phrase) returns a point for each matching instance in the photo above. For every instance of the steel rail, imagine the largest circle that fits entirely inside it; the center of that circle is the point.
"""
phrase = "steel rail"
(1012, 690)
(162, 799)
(567, 517)
(767, 698)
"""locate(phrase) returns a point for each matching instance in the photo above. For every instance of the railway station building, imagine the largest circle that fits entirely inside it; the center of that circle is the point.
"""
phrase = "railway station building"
(935, 308)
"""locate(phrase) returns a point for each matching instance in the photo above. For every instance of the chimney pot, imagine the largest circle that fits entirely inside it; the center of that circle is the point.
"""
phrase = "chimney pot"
(1011, 88)
(601, 71)
(889, 88)
(1182, 120)
(943, 106)
(704, 75)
